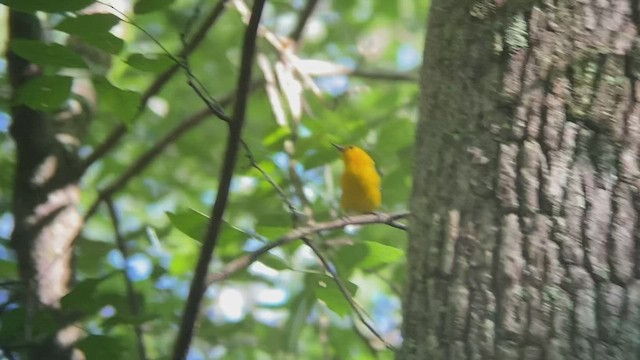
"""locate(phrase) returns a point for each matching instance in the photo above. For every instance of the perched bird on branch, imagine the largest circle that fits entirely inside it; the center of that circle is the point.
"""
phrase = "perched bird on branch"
(360, 181)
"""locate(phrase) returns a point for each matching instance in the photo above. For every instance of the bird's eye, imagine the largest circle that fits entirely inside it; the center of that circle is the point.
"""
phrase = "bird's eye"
(350, 147)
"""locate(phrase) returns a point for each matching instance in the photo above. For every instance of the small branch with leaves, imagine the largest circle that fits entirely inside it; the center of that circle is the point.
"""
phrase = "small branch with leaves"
(245, 261)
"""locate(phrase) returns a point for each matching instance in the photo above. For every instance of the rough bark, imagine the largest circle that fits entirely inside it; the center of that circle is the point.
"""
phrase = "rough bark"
(44, 203)
(525, 241)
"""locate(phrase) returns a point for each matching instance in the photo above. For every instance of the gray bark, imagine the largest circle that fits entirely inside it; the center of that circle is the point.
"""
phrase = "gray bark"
(44, 204)
(525, 240)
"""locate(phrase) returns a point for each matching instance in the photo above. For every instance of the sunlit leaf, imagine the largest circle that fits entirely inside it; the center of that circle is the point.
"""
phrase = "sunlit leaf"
(328, 291)
(8, 269)
(194, 223)
(367, 254)
(190, 222)
(277, 137)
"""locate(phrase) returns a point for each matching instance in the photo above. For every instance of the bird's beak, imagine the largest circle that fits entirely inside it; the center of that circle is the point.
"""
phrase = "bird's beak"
(340, 148)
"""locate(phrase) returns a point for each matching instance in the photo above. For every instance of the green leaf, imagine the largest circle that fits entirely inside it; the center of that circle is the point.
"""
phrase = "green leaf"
(8, 269)
(366, 255)
(146, 6)
(42, 322)
(272, 232)
(88, 24)
(182, 263)
(276, 137)
(328, 291)
(122, 103)
(274, 262)
(13, 321)
(102, 347)
(104, 41)
(94, 30)
(81, 296)
(150, 62)
(45, 93)
(47, 54)
(87, 253)
(231, 233)
(192, 223)
(47, 5)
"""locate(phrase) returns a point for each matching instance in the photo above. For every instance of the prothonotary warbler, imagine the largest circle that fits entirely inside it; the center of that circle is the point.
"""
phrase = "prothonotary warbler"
(360, 181)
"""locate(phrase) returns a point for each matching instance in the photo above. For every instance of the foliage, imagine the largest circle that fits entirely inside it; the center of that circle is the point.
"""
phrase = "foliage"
(284, 303)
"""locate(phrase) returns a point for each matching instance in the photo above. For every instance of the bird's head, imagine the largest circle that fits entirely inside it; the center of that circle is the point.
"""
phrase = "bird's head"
(353, 155)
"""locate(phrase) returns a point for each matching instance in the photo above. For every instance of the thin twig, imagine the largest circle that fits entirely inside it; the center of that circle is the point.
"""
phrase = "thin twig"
(249, 154)
(385, 75)
(134, 306)
(345, 292)
(244, 261)
(198, 284)
(116, 134)
(296, 35)
(187, 49)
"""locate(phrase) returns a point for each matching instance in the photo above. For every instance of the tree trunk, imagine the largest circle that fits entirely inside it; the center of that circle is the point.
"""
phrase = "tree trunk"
(44, 204)
(525, 241)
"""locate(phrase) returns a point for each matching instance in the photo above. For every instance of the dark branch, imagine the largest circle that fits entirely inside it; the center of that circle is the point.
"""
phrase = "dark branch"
(296, 35)
(134, 306)
(198, 284)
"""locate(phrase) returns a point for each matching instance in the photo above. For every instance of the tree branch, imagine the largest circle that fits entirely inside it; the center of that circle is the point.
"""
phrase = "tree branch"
(243, 262)
(296, 35)
(198, 284)
(385, 75)
(134, 306)
(116, 134)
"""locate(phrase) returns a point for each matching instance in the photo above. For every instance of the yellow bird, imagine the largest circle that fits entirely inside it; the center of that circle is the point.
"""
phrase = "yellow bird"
(360, 181)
